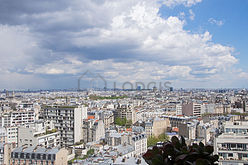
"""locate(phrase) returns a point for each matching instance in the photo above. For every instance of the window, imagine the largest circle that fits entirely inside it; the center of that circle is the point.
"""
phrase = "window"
(245, 155)
(16, 155)
(33, 156)
(27, 156)
(230, 155)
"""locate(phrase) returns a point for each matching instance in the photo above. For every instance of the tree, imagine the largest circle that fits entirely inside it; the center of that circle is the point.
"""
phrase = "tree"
(118, 121)
(152, 140)
(122, 121)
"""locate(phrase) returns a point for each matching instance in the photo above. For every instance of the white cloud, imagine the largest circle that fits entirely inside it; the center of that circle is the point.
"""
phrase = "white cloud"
(192, 14)
(188, 3)
(122, 40)
(243, 75)
(216, 22)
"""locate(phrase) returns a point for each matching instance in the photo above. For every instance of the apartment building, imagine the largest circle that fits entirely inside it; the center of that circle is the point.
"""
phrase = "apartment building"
(5, 152)
(232, 144)
(192, 109)
(138, 141)
(157, 126)
(67, 120)
(16, 118)
(125, 111)
(93, 130)
(203, 132)
(107, 117)
(31, 137)
(8, 134)
(175, 121)
(188, 130)
(38, 155)
(179, 109)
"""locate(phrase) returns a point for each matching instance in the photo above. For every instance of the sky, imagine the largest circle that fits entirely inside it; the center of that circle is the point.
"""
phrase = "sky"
(190, 43)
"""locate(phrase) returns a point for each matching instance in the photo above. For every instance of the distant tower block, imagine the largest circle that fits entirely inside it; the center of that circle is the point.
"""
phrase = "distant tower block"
(67, 100)
(7, 93)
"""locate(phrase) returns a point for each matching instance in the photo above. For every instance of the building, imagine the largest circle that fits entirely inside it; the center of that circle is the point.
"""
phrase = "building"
(5, 152)
(38, 155)
(84, 112)
(179, 109)
(45, 138)
(8, 134)
(203, 132)
(125, 111)
(175, 121)
(156, 127)
(114, 138)
(67, 120)
(188, 130)
(93, 130)
(191, 109)
(17, 118)
(138, 141)
(107, 117)
(232, 144)
(208, 108)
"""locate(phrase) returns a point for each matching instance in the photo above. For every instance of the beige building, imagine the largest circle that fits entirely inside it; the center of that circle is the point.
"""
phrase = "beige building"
(107, 117)
(39, 156)
(8, 135)
(5, 152)
(156, 127)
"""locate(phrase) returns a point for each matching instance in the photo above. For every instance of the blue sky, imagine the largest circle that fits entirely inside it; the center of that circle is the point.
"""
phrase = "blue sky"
(233, 14)
(191, 43)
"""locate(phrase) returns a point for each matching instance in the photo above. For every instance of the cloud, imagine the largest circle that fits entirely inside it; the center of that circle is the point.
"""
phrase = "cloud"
(243, 75)
(216, 22)
(192, 14)
(121, 40)
(187, 3)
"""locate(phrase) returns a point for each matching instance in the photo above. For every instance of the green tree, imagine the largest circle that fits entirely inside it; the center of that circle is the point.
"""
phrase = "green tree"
(122, 121)
(152, 140)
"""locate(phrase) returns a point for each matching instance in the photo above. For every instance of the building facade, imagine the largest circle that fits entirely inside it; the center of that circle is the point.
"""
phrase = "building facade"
(38, 156)
(67, 120)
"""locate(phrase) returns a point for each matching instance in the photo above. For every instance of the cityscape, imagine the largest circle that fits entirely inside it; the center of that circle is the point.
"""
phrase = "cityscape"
(119, 126)
(107, 82)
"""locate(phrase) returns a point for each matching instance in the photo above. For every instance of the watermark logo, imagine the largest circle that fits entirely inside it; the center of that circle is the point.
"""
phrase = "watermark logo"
(93, 78)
